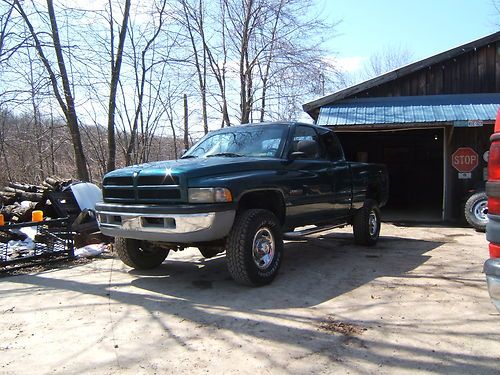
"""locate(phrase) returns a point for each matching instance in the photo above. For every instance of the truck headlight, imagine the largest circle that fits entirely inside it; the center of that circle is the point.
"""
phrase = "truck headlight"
(209, 195)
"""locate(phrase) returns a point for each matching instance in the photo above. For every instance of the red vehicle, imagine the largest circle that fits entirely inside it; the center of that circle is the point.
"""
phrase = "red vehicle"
(492, 265)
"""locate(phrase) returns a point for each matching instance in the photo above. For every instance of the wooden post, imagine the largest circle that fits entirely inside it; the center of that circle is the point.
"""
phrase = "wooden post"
(447, 174)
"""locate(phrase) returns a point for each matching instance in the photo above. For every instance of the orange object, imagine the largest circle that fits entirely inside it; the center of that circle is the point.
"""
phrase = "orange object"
(2, 222)
(228, 195)
(37, 216)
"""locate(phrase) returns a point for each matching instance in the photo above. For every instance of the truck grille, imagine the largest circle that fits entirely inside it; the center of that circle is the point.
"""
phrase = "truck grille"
(121, 181)
(142, 189)
(118, 193)
(160, 194)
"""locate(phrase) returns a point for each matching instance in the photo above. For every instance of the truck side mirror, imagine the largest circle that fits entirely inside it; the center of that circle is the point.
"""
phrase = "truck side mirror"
(305, 149)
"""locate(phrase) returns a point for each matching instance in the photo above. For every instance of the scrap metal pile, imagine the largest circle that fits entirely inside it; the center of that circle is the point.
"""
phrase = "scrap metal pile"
(41, 221)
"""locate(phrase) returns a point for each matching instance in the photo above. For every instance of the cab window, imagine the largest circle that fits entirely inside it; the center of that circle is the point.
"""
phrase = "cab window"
(307, 133)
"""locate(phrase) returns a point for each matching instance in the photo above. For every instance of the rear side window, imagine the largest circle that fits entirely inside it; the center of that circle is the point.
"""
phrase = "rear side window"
(333, 146)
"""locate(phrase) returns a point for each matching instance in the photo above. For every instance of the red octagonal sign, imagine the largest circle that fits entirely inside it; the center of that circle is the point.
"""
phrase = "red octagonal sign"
(465, 159)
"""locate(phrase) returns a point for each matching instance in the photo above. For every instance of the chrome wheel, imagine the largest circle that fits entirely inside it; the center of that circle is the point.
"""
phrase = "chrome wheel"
(263, 248)
(480, 210)
(372, 223)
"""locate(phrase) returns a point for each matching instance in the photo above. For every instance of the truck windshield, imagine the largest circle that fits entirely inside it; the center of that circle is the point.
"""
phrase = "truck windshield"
(253, 141)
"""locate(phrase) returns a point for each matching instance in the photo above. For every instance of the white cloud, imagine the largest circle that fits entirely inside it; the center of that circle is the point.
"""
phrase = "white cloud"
(350, 64)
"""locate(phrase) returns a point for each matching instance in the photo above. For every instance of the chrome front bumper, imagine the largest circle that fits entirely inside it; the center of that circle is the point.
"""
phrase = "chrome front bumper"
(492, 271)
(147, 223)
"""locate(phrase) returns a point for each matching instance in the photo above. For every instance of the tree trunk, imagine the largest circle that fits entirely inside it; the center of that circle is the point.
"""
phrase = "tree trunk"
(186, 124)
(52, 149)
(244, 72)
(70, 113)
(6, 165)
(170, 116)
(115, 76)
(201, 67)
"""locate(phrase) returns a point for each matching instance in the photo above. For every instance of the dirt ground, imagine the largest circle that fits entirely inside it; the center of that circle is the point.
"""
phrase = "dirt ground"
(415, 303)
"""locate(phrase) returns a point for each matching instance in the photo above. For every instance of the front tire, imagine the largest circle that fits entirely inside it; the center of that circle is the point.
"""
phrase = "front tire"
(141, 255)
(366, 224)
(210, 251)
(255, 247)
(476, 211)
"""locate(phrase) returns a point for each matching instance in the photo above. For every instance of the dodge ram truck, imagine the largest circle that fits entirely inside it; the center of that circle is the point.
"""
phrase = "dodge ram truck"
(241, 190)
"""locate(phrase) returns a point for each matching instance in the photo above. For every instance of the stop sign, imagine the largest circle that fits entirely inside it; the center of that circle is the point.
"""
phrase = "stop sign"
(465, 159)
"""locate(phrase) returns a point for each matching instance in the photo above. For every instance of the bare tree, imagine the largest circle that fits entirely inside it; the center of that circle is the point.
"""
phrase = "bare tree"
(211, 57)
(265, 68)
(243, 17)
(38, 132)
(196, 14)
(5, 33)
(144, 51)
(236, 61)
(67, 103)
(12, 41)
(387, 59)
(275, 42)
(116, 63)
(496, 5)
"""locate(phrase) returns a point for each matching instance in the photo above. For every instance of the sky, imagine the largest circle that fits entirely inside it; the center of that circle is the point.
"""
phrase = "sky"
(424, 27)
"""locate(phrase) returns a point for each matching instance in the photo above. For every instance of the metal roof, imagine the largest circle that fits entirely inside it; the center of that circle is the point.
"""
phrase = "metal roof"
(410, 109)
(313, 106)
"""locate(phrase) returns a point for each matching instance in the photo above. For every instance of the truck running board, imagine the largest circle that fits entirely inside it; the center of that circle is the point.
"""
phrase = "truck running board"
(295, 235)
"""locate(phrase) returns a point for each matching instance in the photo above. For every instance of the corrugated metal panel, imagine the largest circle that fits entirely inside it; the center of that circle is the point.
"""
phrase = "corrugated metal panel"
(411, 109)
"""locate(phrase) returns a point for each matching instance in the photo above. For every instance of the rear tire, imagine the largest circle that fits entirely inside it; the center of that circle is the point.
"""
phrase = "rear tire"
(476, 211)
(255, 247)
(366, 224)
(141, 255)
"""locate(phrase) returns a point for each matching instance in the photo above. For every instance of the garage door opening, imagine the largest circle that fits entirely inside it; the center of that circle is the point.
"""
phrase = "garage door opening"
(414, 159)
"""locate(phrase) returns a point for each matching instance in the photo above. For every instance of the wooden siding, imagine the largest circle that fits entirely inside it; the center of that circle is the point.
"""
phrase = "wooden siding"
(477, 71)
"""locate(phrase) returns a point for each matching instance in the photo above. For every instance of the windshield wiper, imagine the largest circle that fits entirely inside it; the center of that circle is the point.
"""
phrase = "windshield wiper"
(188, 157)
(229, 154)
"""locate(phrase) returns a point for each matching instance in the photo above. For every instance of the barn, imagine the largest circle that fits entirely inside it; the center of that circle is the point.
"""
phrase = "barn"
(429, 122)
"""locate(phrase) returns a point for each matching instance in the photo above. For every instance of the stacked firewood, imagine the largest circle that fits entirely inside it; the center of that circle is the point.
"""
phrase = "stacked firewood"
(18, 201)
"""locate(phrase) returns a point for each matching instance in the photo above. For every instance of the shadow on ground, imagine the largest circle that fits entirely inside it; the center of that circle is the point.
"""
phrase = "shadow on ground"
(314, 271)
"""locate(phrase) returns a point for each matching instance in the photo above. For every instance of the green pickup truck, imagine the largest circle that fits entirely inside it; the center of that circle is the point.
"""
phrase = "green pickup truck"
(242, 189)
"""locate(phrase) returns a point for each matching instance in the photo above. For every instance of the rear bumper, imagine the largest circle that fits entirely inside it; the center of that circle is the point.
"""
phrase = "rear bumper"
(492, 271)
(187, 224)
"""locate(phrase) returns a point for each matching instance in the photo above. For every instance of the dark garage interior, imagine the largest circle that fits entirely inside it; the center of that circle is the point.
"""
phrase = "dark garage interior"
(414, 159)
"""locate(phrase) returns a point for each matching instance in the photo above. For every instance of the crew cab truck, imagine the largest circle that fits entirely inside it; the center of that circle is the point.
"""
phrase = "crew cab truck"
(239, 190)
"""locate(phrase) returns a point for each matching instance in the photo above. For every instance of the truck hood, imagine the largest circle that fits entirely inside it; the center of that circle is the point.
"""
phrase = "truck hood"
(198, 167)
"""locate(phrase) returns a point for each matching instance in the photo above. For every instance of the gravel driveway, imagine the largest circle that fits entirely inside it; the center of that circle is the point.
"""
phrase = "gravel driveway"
(415, 303)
